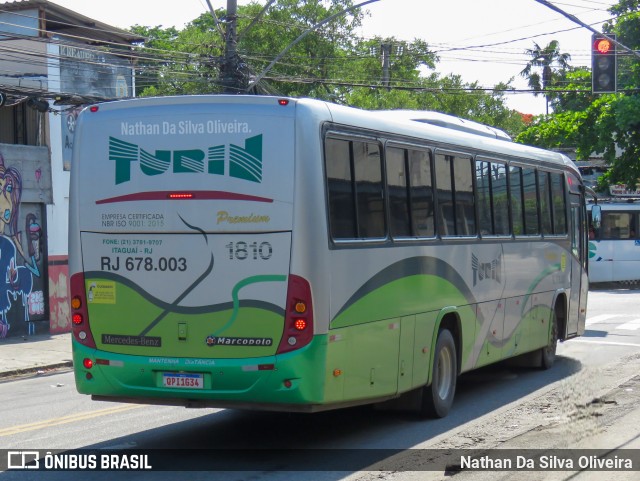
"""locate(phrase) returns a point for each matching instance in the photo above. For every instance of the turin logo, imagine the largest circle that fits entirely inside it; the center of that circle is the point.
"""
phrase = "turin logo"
(244, 162)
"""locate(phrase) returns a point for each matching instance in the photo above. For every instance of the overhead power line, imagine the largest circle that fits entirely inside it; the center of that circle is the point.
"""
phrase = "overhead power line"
(184, 66)
(304, 34)
(573, 18)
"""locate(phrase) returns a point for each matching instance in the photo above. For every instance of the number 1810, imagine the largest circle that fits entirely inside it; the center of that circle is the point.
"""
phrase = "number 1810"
(242, 250)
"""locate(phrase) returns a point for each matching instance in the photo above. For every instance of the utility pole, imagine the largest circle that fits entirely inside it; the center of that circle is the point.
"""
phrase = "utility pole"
(230, 64)
(385, 51)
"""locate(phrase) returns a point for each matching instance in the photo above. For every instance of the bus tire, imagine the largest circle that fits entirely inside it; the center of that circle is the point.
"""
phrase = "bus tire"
(548, 353)
(437, 397)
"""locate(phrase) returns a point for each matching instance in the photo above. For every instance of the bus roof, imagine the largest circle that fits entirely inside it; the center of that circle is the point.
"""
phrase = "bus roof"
(447, 121)
(445, 134)
(437, 127)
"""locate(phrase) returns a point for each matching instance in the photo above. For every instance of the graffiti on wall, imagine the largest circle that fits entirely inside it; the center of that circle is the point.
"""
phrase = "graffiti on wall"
(59, 310)
(22, 299)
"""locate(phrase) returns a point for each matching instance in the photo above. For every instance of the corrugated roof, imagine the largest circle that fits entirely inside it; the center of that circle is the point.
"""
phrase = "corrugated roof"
(66, 22)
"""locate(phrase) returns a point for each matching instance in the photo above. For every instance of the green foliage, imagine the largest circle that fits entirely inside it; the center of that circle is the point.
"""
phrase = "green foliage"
(550, 61)
(575, 93)
(324, 53)
(173, 62)
(606, 126)
(330, 63)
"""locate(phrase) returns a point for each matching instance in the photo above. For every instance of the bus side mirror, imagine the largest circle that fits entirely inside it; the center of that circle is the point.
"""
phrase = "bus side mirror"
(596, 216)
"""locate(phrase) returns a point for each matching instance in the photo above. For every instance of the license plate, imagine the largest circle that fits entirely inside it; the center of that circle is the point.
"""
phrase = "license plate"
(182, 380)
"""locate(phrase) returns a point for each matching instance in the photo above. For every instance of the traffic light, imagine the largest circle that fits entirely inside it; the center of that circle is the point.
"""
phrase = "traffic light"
(603, 63)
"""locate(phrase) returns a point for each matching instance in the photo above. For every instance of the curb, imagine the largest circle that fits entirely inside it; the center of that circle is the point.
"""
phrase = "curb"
(37, 370)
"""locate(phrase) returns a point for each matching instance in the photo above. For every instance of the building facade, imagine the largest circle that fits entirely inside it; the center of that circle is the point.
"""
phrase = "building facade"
(53, 62)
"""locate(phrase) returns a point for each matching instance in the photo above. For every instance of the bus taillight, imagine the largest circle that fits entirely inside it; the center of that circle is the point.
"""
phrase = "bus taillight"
(79, 313)
(180, 195)
(298, 323)
(76, 302)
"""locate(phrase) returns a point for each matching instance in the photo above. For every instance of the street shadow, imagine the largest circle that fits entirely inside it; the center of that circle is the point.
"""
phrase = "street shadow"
(595, 333)
(228, 444)
(329, 443)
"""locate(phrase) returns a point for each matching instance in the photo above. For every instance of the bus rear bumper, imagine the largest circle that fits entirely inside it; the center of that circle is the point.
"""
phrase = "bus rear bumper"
(289, 380)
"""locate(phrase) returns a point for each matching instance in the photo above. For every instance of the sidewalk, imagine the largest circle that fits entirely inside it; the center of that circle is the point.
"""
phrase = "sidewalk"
(30, 354)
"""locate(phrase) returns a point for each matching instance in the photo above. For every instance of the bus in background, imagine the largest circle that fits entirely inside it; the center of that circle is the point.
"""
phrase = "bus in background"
(614, 241)
(296, 255)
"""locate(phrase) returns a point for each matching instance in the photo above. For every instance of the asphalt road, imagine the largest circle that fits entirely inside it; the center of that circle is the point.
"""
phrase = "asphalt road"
(494, 405)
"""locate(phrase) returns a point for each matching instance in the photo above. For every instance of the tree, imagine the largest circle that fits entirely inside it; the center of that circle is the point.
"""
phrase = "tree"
(154, 56)
(192, 61)
(553, 64)
(607, 125)
(331, 63)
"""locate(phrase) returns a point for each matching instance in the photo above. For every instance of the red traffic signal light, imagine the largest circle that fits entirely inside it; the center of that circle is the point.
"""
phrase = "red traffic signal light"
(603, 45)
(603, 63)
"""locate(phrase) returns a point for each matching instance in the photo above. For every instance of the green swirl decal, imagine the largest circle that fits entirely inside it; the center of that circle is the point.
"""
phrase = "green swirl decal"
(236, 300)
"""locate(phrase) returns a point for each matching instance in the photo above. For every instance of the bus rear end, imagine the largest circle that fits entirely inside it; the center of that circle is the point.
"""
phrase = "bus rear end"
(180, 242)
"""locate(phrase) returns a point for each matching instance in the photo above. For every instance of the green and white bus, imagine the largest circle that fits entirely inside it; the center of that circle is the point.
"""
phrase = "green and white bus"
(295, 255)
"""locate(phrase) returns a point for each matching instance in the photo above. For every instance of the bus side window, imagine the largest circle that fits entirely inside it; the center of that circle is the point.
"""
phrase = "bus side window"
(367, 162)
(464, 196)
(421, 187)
(355, 192)
(398, 194)
(606, 225)
(456, 202)
(617, 225)
(558, 204)
(340, 189)
(410, 193)
(483, 195)
(530, 191)
(444, 191)
(499, 195)
(515, 197)
(544, 188)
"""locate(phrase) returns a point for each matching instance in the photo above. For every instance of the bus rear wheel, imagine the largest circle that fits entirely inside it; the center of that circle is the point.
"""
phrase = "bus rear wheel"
(437, 398)
(548, 353)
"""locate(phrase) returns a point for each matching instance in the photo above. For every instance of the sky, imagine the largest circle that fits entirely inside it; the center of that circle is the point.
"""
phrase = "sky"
(498, 30)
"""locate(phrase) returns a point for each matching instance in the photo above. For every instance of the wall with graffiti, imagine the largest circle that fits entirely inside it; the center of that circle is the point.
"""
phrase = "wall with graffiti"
(59, 309)
(25, 188)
